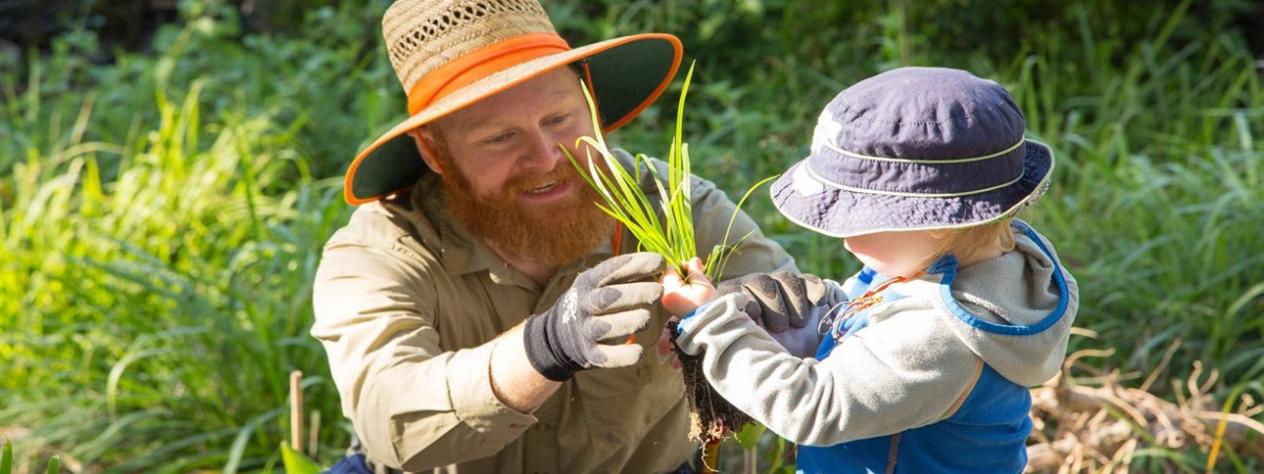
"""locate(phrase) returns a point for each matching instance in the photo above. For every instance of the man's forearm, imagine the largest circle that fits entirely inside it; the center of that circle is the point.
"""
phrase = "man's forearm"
(514, 381)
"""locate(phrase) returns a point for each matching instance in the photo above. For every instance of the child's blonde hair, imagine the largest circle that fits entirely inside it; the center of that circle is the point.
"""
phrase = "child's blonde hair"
(965, 242)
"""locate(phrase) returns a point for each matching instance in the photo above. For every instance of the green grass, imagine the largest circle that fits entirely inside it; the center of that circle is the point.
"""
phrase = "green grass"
(162, 216)
(155, 281)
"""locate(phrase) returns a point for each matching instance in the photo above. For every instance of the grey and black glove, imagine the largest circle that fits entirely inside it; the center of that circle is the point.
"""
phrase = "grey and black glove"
(606, 302)
(780, 300)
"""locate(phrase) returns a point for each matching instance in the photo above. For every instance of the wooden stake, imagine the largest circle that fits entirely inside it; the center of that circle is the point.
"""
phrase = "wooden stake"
(296, 411)
(313, 434)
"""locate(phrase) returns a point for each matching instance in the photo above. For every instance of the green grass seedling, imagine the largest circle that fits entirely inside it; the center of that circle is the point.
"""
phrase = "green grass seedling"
(625, 200)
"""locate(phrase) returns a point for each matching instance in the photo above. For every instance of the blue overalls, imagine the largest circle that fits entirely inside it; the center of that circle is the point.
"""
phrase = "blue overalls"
(987, 434)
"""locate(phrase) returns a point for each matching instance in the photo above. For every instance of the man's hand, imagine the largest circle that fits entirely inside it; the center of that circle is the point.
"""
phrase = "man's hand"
(606, 303)
(779, 300)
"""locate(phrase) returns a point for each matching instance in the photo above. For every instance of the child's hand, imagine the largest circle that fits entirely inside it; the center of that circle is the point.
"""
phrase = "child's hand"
(679, 296)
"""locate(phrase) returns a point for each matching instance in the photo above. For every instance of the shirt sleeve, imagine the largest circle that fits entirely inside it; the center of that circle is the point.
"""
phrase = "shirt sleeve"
(375, 318)
(905, 372)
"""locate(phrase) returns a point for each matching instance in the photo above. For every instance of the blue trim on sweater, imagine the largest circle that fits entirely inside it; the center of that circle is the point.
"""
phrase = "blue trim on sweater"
(948, 266)
(866, 275)
(987, 434)
(688, 319)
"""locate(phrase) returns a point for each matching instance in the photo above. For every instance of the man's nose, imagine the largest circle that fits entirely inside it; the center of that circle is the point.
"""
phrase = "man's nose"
(544, 152)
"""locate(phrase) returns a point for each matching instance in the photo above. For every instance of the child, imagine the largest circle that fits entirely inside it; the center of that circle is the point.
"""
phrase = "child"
(959, 308)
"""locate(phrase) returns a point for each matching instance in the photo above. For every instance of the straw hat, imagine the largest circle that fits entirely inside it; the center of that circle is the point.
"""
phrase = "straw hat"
(449, 54)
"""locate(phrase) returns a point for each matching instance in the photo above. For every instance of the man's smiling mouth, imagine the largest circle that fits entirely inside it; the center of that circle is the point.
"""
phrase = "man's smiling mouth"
(543, 188)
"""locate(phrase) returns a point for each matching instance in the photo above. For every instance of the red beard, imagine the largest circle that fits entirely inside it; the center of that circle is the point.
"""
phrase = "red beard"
(555, 234)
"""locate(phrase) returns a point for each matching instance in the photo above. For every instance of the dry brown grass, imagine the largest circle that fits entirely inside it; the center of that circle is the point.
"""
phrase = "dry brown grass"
(1086, 420)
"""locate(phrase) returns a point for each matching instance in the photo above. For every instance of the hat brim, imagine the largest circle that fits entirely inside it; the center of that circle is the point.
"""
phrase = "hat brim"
(814, 204)
(627, 74)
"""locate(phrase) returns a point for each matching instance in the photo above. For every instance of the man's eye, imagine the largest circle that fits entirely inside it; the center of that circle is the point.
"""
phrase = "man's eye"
(556, 119)
(498, 138)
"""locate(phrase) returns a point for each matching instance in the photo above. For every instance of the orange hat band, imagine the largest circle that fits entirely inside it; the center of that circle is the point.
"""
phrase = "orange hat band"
(481, 63)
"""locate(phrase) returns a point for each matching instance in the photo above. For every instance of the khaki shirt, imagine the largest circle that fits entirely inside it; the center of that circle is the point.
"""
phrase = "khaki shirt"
(405, 302)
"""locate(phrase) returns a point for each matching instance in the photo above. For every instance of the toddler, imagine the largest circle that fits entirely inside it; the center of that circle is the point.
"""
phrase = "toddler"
(925, 364)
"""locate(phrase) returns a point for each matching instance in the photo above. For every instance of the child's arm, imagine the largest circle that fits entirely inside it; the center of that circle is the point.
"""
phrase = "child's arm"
(785, 304)
(906, 372)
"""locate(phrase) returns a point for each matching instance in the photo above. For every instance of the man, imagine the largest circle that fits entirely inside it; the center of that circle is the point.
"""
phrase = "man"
(465, 301)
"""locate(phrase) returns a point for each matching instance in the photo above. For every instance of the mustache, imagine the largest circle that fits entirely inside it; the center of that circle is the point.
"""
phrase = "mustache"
(522, 183)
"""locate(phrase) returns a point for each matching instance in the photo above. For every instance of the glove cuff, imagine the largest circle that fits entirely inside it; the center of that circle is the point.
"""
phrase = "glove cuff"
(543, 352)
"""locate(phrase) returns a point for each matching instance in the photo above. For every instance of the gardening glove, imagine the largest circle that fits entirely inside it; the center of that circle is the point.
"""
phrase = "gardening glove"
(606, 303)
(780, 300)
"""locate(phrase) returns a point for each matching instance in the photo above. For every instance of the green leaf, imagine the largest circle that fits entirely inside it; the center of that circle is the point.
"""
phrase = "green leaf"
(6, 459)
(717, 260)
(296, 463)
(54, 465)
(748, 438)
(238, 448)
(625, 199)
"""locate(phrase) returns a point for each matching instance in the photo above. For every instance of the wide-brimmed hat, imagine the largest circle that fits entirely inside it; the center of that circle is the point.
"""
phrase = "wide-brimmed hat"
(915, 149)
(449, 54)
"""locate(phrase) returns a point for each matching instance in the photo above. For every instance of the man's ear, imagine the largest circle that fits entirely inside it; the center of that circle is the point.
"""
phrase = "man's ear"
(426, 147)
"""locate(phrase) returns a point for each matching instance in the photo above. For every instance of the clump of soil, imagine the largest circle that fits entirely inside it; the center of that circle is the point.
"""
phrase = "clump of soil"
(712, 417)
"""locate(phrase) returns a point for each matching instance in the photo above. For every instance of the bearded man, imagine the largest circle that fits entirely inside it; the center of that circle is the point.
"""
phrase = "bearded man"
(464, 303)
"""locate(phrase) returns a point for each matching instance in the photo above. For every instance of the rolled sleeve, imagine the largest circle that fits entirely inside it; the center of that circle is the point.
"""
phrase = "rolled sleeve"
(477, 405)
(412, 404)
(474, 425)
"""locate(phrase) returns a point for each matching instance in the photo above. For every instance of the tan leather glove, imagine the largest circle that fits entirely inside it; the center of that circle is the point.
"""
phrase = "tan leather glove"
(779, 300)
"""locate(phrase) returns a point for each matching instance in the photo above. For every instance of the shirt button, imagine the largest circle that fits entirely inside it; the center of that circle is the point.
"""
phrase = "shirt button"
(642, 371)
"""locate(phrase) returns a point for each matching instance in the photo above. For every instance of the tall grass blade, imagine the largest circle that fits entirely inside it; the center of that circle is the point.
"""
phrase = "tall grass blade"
(671, 235)
(297, 463)
(6, 458)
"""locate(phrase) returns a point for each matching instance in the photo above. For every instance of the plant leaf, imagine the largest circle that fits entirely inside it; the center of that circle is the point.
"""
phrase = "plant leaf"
(715, 272)
(748, 437)
(297, 463)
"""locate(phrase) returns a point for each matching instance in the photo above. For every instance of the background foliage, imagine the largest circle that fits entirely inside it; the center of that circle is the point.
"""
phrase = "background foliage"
(166, 186)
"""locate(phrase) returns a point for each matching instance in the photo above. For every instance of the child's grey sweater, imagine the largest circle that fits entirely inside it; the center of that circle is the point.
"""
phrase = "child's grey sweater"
(913, 365)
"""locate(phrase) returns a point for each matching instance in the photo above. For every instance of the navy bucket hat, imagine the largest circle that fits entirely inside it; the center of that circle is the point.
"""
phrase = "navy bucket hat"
(915, 149)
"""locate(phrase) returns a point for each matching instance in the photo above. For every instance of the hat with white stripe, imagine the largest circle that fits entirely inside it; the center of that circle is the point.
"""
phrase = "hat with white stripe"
(915, 149)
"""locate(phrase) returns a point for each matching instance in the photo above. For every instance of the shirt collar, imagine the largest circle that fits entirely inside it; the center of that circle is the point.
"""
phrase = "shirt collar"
(459, 252)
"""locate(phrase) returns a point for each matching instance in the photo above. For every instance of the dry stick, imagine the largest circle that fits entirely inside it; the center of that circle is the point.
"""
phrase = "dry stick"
(313, 436)
(1167, 358)
(1110, 442)
(1238, 428)
(296, 411)
(749, 459)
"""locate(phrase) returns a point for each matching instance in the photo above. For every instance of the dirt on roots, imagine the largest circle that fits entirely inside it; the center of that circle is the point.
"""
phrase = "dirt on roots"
(712, 417)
